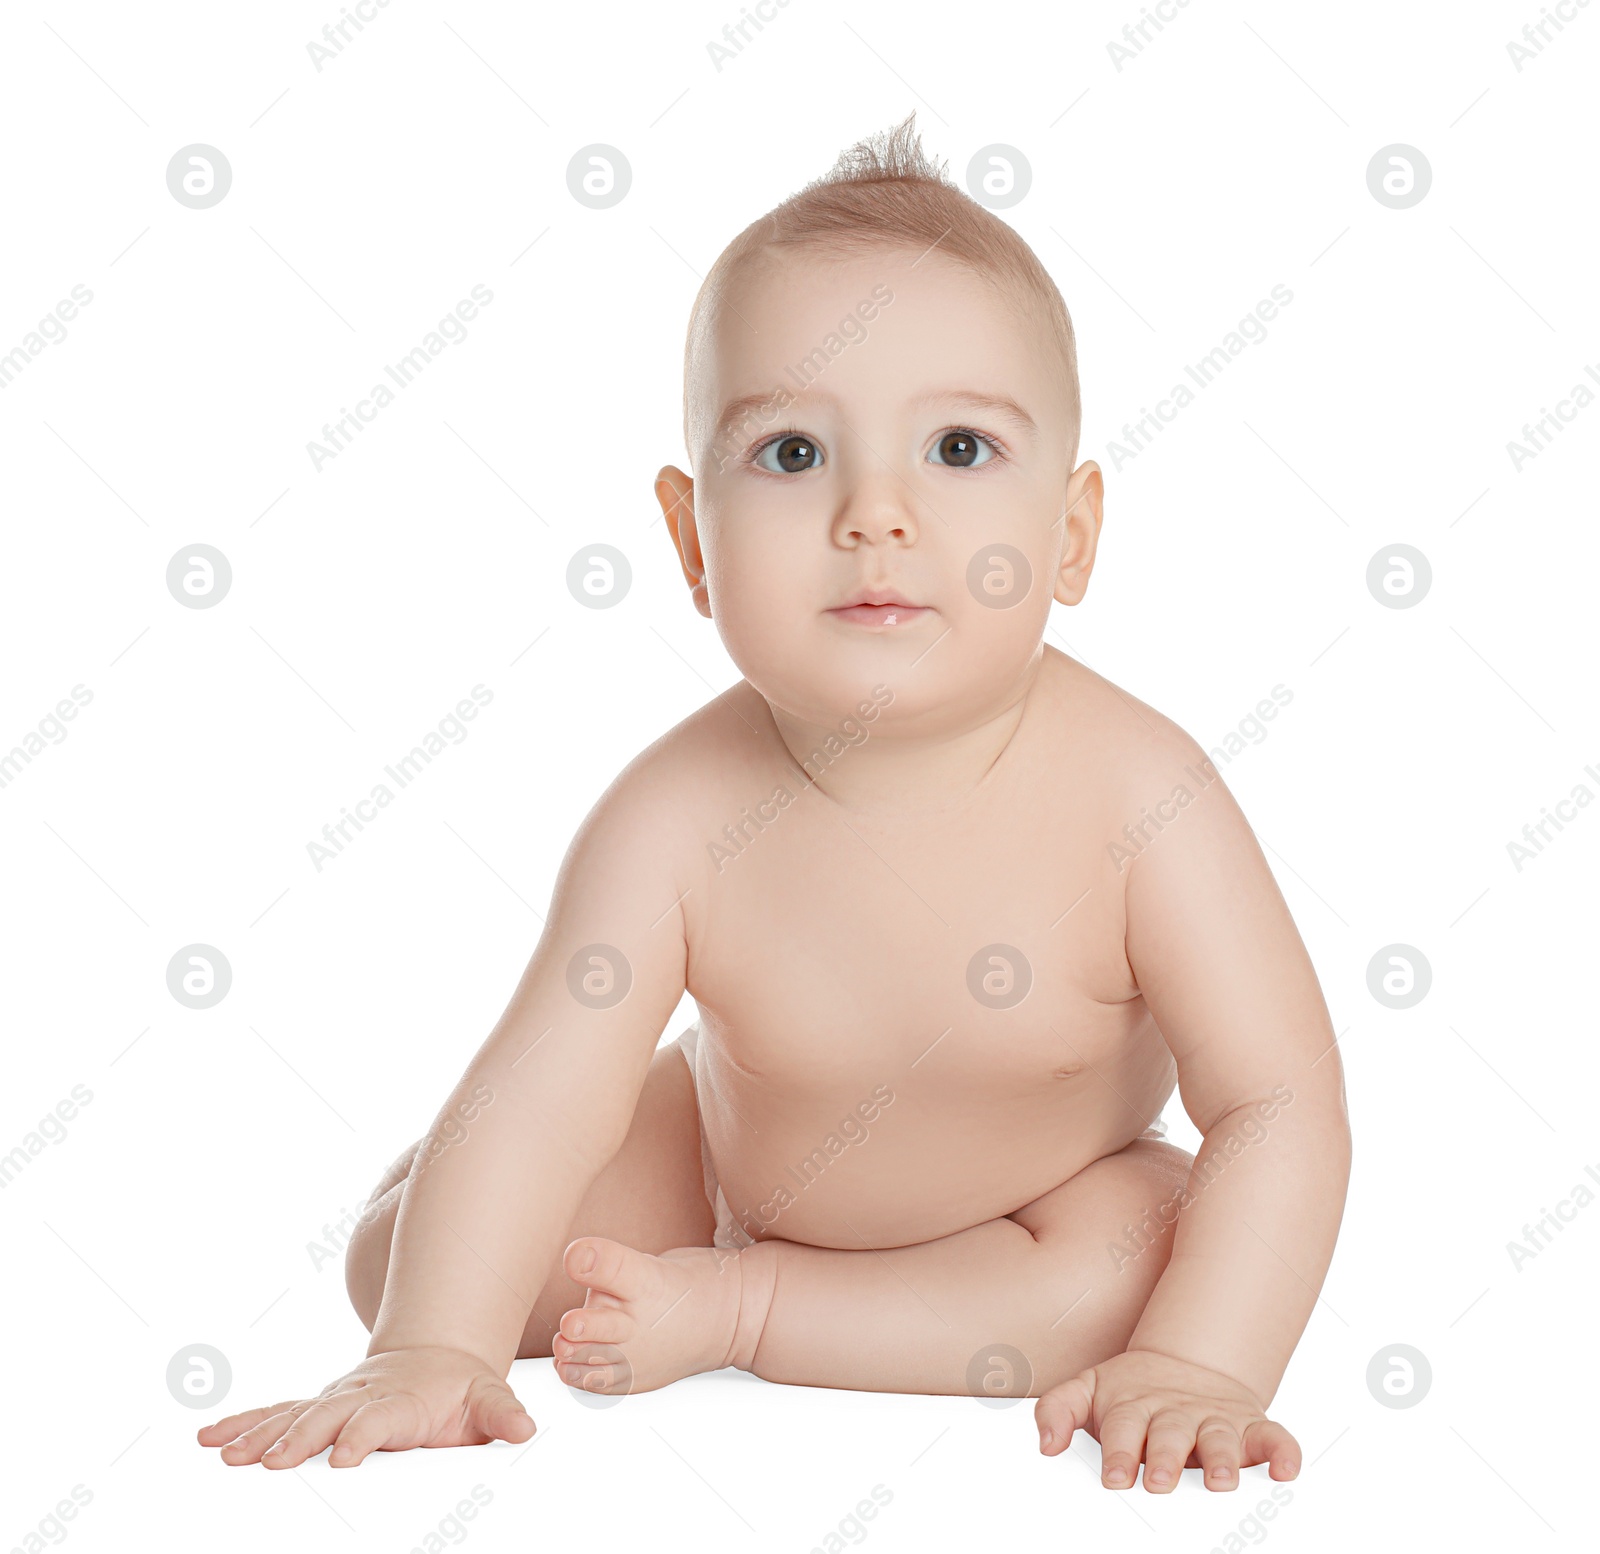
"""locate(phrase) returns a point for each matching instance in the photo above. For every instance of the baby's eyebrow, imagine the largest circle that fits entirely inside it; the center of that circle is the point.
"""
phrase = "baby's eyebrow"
(995, 404)
(737, 410)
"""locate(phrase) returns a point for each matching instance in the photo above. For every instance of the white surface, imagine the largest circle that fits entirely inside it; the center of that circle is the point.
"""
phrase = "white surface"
(1168, 198)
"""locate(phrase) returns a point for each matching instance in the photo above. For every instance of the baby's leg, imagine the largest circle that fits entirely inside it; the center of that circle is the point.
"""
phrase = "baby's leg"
(650, 1195)
(937, 1317)
(940, 1317)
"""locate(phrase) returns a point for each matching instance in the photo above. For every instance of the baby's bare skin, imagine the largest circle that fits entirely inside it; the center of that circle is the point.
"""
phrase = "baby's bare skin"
(865, 927)
(1005, 812)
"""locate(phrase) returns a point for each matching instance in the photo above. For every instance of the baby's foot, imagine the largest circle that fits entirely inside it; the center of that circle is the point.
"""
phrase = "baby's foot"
(650, 1320)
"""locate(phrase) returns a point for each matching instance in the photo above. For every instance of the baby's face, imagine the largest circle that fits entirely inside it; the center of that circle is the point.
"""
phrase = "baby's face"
(906, 517)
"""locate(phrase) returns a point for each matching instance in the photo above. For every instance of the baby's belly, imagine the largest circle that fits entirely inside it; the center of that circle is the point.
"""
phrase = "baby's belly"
(883, 1144)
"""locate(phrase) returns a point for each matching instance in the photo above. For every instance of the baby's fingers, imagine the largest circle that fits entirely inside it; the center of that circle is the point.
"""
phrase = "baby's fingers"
(1266, 1441)
(229, 1429)
(371, 1427)
(1172, 1434)
(315, 1429)
(1062, 1411)
(258, 1437)
(1122, 1445)
(493, 1408)
(1217, 1446)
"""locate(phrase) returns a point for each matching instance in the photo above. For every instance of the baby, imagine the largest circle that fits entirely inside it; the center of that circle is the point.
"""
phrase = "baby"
(957, 915)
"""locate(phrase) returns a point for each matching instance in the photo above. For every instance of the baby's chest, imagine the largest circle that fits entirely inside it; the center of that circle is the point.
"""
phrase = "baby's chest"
(829, 945)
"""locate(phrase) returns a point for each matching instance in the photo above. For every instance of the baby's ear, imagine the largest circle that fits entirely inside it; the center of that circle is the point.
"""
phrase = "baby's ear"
(1080, 518)
(674, 490)
(675, 493)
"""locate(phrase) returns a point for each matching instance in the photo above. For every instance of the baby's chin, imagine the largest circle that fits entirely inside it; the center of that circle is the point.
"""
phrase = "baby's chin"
(894, 687)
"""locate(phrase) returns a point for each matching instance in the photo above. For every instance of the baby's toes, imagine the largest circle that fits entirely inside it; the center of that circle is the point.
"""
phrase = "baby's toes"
(610, 1268)
(586, 1348)
(598, 1325)
(597, 1368)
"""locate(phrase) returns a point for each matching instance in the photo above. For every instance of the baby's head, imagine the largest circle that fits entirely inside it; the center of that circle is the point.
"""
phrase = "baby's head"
(881, 409)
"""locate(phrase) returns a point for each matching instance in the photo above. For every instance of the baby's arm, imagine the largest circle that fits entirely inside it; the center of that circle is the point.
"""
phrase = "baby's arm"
(1224, 973)
(486, 1213)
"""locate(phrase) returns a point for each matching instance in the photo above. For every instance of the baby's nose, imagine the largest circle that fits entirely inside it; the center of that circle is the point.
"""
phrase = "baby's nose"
(878, 509)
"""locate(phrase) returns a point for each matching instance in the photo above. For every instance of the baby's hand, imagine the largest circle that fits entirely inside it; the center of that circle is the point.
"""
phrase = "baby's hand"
(390, 1402)
(1173, 1414)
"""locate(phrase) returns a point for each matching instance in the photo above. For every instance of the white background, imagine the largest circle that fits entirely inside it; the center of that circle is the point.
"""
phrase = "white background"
(368, 198)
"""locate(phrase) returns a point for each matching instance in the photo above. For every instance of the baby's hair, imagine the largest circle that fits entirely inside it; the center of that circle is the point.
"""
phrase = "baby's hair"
(885, 192)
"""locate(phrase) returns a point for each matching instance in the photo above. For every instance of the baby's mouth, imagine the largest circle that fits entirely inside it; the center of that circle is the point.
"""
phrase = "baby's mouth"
(880, 615)
(881, 610)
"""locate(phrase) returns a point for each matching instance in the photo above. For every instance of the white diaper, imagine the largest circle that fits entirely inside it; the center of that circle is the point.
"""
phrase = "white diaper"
(729, 1233)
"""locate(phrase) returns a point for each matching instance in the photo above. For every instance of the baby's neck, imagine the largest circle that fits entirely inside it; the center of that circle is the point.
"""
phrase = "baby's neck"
(893, 770)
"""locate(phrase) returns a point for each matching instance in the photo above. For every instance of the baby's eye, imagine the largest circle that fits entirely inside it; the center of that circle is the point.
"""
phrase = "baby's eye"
(792, 454)
(963, 449)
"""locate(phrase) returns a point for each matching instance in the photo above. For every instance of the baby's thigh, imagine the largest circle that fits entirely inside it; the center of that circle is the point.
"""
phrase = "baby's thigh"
(650, 1195)
(1109, 1231)
(1124, 1189)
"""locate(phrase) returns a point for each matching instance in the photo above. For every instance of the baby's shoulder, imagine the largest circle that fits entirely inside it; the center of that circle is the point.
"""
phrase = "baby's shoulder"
(632, 853)
(1110, 739)
(722, 751)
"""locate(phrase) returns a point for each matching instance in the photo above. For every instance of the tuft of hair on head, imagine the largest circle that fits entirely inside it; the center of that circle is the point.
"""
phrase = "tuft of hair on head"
(886, 193)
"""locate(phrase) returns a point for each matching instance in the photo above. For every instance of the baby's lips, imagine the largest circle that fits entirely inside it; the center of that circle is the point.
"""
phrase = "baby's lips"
(891, 615)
